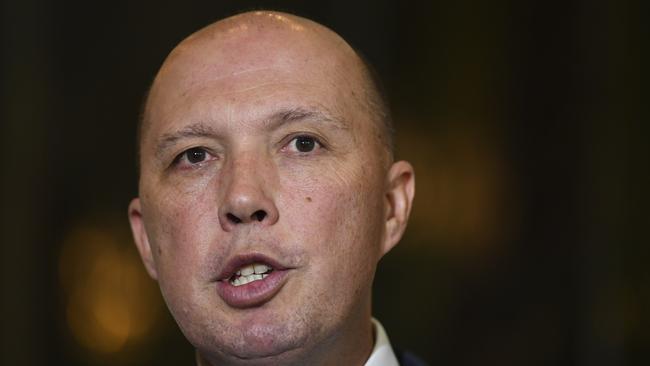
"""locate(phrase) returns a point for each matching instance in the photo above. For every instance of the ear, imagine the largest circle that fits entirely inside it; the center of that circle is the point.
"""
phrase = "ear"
(140, 237)
(398, 202)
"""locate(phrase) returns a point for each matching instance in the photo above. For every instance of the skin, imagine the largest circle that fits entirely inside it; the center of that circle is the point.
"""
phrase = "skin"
(242, 90)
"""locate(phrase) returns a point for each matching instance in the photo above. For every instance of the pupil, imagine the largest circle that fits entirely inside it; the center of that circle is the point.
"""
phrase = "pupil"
(195, 156)
(305, 144)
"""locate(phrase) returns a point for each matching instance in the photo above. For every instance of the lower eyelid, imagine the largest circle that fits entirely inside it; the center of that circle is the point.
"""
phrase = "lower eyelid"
(183, 158)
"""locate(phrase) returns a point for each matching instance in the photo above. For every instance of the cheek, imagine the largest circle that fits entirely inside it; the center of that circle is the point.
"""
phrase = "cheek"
(182, 229)
(337, 218)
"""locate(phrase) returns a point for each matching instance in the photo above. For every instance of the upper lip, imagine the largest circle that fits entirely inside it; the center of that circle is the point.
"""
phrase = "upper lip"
(238, 261)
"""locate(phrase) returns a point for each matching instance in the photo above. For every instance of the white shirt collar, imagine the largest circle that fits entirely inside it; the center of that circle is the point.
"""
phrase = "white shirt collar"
(382, 354)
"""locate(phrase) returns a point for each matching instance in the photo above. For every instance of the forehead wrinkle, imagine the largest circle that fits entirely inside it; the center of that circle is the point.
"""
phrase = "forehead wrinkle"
(299, 114)
(204, 75)
(246, 71)
(250, 88)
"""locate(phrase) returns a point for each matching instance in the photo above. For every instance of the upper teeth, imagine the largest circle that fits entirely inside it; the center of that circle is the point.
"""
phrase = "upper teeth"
(250, 273)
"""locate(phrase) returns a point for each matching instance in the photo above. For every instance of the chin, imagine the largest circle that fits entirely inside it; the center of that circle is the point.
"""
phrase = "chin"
(262, 342)
(256, 352)
(255, 343)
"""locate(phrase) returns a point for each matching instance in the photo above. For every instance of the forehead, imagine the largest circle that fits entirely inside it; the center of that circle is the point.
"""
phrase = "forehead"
(252, 63)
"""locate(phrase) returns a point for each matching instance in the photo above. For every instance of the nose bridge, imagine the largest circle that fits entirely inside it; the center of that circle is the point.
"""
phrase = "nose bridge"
(243, 170)
(247, 190)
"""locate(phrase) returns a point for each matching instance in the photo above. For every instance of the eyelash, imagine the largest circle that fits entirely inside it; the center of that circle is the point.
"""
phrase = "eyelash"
(198, 149)
(184, 156)
(318, 144)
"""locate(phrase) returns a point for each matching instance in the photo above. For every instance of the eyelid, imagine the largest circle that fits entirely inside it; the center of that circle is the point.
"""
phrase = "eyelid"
(183, 155)
(322, 143)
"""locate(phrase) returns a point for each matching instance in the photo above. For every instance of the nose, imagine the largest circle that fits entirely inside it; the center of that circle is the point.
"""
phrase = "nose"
(247, 188)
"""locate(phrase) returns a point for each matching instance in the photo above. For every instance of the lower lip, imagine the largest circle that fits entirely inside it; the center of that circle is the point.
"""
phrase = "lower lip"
(253, 293)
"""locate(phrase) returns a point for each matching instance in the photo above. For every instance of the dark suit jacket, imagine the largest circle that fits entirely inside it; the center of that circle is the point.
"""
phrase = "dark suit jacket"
(406, 358)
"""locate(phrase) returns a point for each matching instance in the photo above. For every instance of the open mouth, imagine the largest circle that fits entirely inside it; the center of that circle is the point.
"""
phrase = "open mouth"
(251, 280)
(250, 273)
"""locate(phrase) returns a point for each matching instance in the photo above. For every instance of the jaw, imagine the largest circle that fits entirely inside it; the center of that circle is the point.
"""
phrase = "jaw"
(279, 341)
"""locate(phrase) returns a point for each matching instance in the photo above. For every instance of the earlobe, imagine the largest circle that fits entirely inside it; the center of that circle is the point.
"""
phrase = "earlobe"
(398, 200)
(141, 238)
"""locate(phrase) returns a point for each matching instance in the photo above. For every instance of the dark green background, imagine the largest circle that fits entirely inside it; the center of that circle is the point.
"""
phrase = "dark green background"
(525, 121)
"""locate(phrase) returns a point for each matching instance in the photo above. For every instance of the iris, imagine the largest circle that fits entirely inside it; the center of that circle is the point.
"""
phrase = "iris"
(195, 155)
(305, 143)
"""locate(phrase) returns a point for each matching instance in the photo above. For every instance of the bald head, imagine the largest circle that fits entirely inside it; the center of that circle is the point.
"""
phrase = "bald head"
(265, 142)
(255, 42)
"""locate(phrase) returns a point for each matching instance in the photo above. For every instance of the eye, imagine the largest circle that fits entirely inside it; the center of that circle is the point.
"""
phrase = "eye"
(304, 144)
(193, 157)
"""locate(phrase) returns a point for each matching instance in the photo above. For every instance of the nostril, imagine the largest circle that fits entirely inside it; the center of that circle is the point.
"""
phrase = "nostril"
(259, 215)
(233, 218)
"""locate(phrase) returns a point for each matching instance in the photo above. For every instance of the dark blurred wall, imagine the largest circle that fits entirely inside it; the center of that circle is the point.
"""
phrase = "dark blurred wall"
(524, 120)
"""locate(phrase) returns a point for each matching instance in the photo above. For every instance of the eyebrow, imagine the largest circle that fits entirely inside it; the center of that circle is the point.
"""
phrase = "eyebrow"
(290, 115)
(194, 130)
(277, 119)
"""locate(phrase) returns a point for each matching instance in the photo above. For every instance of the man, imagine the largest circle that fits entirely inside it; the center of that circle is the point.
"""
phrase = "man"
(268, 194)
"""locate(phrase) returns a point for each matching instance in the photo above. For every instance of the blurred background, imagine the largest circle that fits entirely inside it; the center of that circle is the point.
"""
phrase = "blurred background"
(528, 242)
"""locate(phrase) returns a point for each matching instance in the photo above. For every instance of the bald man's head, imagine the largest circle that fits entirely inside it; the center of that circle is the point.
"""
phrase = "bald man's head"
(245, 26)
(266, 146)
